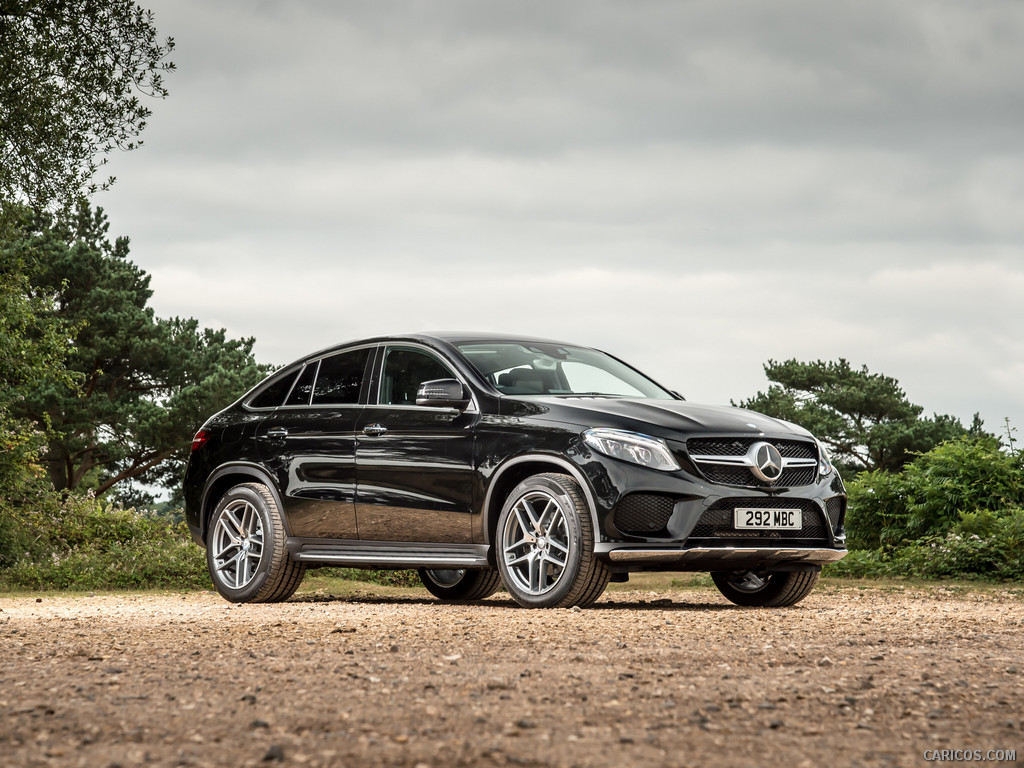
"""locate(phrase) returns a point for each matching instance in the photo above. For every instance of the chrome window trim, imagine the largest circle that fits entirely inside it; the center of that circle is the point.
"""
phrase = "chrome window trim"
(322, 406)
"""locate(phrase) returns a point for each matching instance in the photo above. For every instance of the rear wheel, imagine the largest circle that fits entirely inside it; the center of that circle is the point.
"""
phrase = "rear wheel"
(765, 589)
(246, 550)
(545, 541)
(460, 584)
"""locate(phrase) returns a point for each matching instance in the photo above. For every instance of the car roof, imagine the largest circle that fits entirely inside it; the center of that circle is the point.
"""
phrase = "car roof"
(432, 338)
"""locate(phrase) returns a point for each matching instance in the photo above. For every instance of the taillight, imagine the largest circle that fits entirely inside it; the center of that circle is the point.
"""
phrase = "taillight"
(200, 440)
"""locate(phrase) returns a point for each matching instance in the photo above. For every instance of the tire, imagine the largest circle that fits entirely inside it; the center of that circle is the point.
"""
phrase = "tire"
(765, 589)
(246, 550)
(459, 585)
(545, 545)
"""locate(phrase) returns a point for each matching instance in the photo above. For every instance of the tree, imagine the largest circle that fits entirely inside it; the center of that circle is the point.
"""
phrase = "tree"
(71, 73)
(146, 383)
(33, 348)
(865, 419)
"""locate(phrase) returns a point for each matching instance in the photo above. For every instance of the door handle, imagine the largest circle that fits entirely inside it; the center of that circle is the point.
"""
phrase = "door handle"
(374, 429)
(277, 432)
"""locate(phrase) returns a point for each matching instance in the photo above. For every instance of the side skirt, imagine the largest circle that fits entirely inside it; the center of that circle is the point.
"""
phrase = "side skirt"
(388, 554)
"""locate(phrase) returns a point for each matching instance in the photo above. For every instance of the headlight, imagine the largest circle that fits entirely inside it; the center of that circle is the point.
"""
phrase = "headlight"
(824, 460)
(631, 446)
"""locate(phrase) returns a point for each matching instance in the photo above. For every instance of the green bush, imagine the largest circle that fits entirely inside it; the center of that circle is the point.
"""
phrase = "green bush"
(876, 509)
(84, 543)
(982, 545)
(959, 476)
(81, 542)
(952, 512)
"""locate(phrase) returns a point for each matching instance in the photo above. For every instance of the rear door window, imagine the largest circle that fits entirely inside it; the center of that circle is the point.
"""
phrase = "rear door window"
(341, 378)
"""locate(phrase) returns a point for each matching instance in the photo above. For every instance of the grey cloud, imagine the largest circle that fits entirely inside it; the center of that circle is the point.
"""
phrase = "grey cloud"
(656, 178)
(544, 78)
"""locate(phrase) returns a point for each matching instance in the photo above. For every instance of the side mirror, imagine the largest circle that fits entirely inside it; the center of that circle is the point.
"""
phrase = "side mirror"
(443, 393)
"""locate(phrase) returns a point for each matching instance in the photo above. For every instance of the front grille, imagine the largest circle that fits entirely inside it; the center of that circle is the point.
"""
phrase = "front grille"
(724, 475)
(718, 446)
(739, 475)
(717, 521)
(644, 514)
(835, 508)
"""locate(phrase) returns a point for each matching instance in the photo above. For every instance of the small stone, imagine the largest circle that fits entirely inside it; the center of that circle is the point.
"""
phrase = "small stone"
(1011, 670)
(393, 648)
(257, 724)
(248, 698)
(825, 662)
(767, 705)
(879, 657)
(274, 755)
(525, 724)
(626, 740)
(498, 684)
(776, 724)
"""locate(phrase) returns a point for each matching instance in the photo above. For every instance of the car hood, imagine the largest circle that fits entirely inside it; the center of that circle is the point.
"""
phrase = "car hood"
(665, 418)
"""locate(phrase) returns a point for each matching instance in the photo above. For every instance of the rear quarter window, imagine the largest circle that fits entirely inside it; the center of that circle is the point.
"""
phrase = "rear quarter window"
(274, 393)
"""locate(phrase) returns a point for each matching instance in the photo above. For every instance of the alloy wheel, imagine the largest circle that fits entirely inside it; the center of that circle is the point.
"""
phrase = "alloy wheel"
(238, 544)
(535, 542)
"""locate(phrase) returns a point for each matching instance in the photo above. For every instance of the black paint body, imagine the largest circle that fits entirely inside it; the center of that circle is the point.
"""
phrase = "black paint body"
(403, 480)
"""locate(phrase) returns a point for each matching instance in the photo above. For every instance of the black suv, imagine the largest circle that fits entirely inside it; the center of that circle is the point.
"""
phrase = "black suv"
(485, 460)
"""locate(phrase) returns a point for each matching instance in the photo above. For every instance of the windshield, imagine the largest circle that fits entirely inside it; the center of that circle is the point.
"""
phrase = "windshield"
(530, 368)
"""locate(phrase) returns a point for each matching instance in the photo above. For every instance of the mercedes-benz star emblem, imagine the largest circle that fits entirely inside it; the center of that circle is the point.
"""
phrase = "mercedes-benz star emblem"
(766, 462)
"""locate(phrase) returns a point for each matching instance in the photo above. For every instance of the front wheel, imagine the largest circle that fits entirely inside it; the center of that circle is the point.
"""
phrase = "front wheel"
(246, 550)
(460, 584)
(545, 545)
(765, 589)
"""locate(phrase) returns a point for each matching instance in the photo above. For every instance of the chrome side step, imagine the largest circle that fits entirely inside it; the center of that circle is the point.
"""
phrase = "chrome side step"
(388, 554)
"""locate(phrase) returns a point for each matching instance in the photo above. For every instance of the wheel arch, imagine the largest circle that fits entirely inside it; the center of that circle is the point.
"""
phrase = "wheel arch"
(514, 471)
(226, 477)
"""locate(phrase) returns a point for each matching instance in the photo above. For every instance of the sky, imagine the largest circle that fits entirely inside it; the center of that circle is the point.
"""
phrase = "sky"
(696, 187)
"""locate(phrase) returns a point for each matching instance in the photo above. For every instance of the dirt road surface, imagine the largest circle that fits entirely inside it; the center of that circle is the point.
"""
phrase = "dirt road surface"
(652, 677)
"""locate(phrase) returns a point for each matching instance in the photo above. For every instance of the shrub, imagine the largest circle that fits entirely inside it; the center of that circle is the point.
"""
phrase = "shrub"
(964, 475)
(982, 545)
(876, 510)
(932, 493)
(81, 542)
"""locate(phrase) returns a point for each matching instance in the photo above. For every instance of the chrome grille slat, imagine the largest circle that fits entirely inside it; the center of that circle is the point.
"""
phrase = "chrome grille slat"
(725, 461)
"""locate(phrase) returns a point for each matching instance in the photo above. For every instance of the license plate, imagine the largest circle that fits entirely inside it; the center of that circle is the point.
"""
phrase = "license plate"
(767, 519)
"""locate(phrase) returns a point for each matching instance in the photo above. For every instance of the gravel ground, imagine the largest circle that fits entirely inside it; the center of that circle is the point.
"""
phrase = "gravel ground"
(653, 676)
